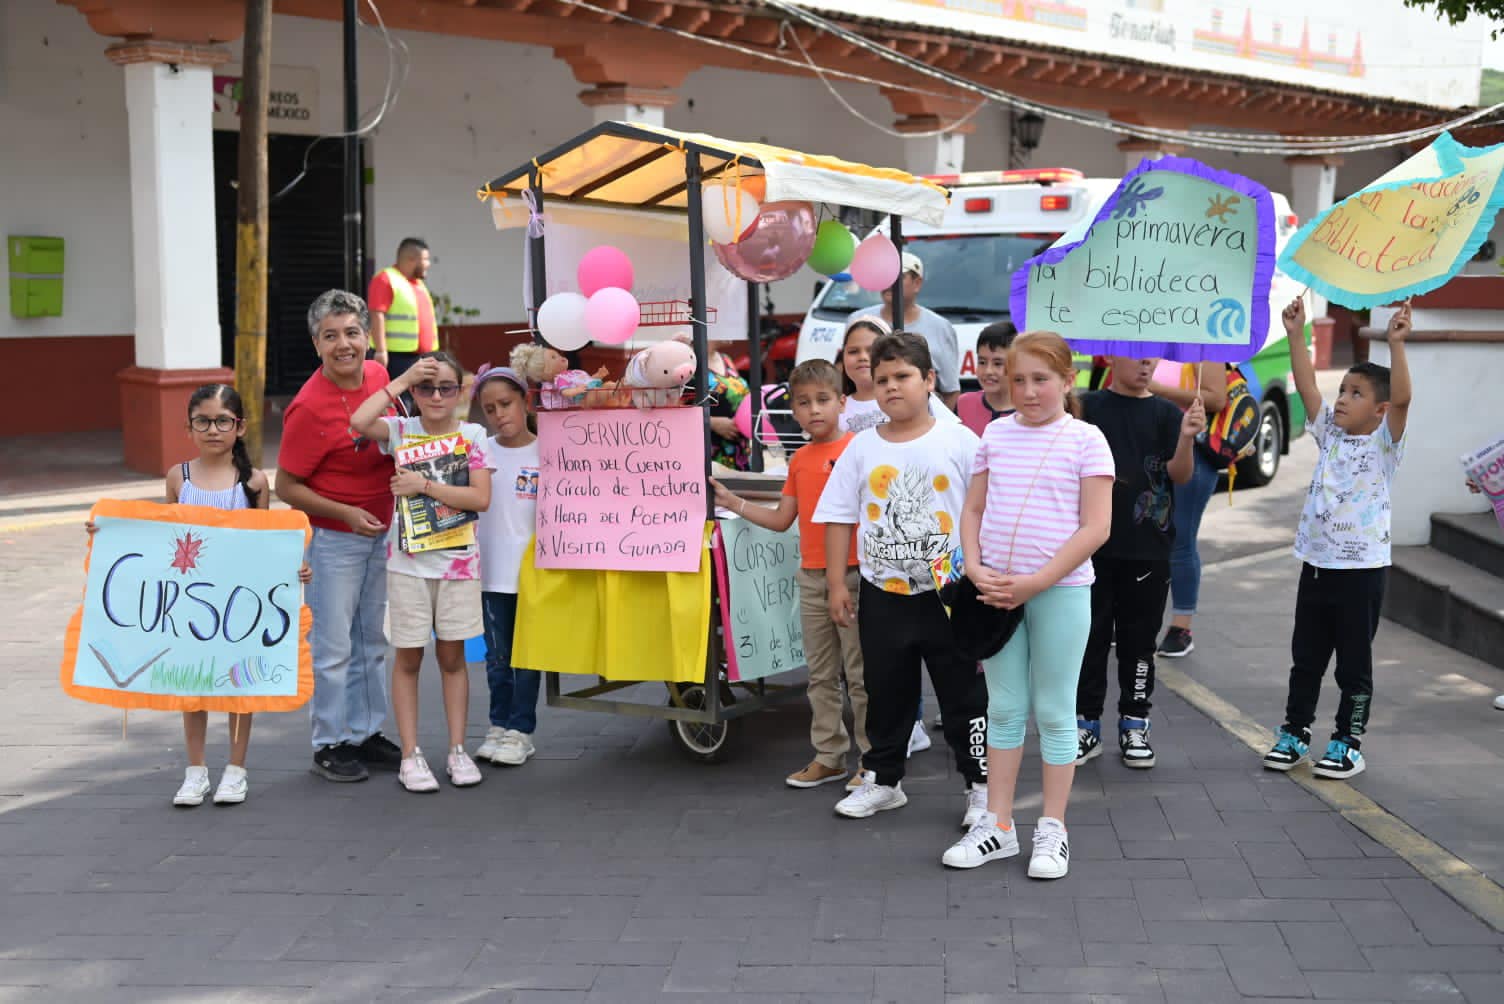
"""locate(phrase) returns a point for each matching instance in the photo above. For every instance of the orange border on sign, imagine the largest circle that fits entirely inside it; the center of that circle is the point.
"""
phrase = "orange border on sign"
(193, 515)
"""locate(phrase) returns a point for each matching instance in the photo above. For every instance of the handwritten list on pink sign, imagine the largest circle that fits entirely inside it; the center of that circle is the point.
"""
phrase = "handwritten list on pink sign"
(621, 489)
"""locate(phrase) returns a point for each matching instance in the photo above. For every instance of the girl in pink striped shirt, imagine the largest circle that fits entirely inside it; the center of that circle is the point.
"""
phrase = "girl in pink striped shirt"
(1039, 505)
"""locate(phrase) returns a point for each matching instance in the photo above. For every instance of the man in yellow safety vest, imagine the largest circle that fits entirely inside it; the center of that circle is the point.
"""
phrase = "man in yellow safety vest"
(402, 317)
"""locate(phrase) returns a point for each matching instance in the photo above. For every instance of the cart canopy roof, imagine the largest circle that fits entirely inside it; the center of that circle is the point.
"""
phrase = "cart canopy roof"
(641, 166)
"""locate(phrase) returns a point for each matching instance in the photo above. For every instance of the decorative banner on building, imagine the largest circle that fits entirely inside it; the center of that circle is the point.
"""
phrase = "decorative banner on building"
(1404, 234)
(1176, 264)
(192, 609)
(757, 573)
(292, 99)
(621, 489)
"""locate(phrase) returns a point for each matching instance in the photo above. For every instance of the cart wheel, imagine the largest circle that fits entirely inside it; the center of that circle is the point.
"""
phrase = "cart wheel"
(707, 743)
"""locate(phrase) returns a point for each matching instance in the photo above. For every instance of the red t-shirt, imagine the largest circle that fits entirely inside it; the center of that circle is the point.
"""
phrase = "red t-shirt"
(317, 446)
(809, 469)
(379, 300)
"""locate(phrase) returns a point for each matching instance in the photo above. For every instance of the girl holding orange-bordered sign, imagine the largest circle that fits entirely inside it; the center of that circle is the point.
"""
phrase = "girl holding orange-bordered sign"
(221, 477)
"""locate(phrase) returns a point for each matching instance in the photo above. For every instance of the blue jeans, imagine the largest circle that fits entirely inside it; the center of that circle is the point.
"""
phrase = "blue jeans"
(348, 599)
(1185, 560)
(514, 692)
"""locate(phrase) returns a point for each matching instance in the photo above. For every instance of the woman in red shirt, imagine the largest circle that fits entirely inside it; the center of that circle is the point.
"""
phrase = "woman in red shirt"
(343, 482)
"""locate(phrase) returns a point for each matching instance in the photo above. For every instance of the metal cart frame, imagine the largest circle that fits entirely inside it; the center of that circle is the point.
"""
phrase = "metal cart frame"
(699, 715)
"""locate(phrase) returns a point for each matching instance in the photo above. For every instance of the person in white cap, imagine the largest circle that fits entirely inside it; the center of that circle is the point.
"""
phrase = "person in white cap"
(945, 350)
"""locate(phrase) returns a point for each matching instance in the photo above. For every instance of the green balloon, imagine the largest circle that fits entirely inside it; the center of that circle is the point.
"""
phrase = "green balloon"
(834, 246)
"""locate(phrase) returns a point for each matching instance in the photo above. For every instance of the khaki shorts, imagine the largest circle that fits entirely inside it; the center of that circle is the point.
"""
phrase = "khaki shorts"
(420, 608)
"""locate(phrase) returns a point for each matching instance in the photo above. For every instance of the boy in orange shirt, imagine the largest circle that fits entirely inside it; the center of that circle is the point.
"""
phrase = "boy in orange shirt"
(815, 391)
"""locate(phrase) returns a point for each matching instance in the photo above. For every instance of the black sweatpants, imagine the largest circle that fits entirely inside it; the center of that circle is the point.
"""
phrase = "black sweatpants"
(1127, 599)
(1336, 610)
(898, 634)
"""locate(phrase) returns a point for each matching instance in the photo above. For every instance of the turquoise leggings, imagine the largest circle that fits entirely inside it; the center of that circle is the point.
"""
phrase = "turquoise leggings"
(1038, 669)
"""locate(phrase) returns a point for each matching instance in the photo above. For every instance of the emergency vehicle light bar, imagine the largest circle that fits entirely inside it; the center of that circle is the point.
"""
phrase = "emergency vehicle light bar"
(1027, 176)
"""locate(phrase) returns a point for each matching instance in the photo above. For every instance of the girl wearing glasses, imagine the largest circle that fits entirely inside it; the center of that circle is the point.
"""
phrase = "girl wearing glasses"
(431, 593)
(220, 477)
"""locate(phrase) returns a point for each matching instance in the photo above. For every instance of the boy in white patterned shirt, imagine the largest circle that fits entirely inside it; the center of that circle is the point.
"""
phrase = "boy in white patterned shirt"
(1343, 543)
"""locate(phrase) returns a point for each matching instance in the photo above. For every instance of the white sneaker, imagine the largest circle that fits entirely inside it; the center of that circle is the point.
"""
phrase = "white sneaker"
(1052, 851)
(232, 786)
(195, 787)
(860, 778)
(976, 805)
(461, 769)
(919, 740)
(414, 774)
(871, 798)
(491, 745)
(984, 842)
(515, 748)
(1499, 703)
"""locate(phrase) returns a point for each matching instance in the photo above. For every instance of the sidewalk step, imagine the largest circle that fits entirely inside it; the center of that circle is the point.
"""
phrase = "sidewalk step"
(1474, 537)
(1448, 600)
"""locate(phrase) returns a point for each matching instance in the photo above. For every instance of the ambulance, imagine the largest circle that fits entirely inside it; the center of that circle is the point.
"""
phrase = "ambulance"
(996, 221)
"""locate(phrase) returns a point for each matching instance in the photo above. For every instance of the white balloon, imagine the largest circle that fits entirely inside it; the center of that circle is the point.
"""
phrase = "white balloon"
(718, 207)
(561, 321)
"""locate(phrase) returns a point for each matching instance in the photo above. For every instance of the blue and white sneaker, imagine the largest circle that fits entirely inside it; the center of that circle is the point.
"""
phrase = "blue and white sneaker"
(1088, 740)
(1133, 742)
(1290, 750)
(1341, 760)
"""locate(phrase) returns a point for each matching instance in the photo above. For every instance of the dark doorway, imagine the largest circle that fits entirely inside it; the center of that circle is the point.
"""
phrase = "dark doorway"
(306, 255)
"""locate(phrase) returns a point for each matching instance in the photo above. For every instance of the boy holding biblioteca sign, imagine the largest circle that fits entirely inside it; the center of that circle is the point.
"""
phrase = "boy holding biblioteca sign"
(815, 390)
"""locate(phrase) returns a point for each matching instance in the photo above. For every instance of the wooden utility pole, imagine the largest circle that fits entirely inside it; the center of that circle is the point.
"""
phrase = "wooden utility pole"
(251, 225)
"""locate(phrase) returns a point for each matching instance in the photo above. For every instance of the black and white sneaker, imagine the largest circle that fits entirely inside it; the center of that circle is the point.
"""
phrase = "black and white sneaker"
(1133, 741)
(1052, 851)
(1177, 643)
(984, 842)
(1088, 740)
(1290, 749)
(1342, 760)
(339, 763)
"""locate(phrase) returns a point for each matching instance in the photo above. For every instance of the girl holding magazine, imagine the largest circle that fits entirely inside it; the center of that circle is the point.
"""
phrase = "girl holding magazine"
(432, 593)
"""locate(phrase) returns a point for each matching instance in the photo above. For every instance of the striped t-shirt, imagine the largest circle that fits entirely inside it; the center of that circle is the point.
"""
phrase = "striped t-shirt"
(1010, 455)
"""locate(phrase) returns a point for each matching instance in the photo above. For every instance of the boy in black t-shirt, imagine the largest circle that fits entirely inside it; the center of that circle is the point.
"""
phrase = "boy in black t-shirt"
(1152, 444)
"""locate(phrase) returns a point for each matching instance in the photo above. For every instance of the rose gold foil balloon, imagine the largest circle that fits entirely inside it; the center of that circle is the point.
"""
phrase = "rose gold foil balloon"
(776, 247)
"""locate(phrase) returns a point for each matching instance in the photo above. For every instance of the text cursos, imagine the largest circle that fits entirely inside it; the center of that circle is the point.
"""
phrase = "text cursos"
(206, 610)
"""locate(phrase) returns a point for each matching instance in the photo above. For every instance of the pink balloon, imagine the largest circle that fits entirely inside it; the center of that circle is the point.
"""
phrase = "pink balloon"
(612, 315)
(602, 267)
(875, 264)
(743, 418)
(775, 247)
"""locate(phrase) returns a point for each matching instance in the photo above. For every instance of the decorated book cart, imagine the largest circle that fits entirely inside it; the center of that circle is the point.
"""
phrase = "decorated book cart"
(631, 577)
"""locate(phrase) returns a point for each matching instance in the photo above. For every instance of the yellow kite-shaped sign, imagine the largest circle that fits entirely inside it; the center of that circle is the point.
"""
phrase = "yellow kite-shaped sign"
(1404, 234)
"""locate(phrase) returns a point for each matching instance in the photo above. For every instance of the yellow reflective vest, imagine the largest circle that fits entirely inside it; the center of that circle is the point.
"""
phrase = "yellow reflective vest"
(402, 316)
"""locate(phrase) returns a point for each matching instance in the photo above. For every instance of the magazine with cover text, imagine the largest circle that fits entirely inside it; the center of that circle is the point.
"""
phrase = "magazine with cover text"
(424, 523)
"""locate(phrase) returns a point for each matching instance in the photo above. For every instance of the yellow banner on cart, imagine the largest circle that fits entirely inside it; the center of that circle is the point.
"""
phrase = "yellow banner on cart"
(618, 625)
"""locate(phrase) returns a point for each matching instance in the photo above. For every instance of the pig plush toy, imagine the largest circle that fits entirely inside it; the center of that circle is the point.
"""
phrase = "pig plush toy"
(656, 376)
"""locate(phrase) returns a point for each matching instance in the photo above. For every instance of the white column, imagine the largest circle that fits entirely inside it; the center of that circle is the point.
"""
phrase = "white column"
(641, 105)
(169, 107)
(940, 154)
(1313, 183)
